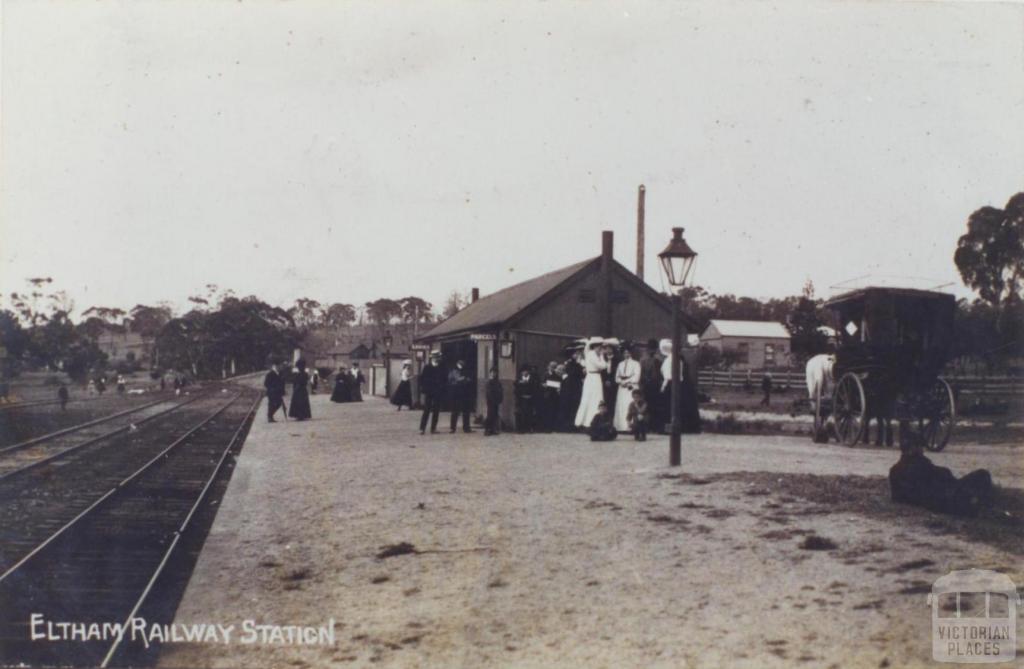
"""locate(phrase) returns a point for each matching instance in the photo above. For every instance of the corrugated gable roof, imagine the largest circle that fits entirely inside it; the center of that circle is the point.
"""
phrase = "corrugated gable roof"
(501, 306)
(750, 328)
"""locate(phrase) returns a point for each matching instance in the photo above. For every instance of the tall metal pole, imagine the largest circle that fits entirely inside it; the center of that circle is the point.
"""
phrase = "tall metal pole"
(675, 440)
(640, 231)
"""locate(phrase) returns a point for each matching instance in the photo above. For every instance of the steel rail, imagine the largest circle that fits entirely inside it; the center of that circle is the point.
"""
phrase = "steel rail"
(180, 531)
(90, 442)
(106, 496)
(81, 426)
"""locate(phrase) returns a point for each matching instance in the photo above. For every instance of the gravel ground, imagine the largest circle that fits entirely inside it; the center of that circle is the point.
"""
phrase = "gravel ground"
(548, 550)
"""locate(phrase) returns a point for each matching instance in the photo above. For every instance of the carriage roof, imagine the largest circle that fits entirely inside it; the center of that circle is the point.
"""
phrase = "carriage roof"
(896, 319)
(877, 294)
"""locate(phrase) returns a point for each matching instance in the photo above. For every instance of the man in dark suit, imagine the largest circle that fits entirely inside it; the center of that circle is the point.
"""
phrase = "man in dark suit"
(460, 388)
(274, 383)
(432, 385)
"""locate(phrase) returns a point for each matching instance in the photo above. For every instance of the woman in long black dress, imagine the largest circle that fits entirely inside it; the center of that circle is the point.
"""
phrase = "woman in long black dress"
(571, 391)
(403, 394)
(299, 408)
(341, 392)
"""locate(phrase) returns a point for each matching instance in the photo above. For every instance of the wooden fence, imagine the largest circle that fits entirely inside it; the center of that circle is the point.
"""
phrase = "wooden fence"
(995, 386)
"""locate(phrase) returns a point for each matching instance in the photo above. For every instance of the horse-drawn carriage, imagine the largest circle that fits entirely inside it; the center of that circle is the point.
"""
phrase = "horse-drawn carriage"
(892, 343)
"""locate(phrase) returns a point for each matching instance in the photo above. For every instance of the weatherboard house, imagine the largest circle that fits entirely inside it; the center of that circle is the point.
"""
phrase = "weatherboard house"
(754, 344)
(531, 323)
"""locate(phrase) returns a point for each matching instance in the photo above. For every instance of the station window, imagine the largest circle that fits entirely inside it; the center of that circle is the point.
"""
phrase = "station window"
(769, 354)
(743, 352)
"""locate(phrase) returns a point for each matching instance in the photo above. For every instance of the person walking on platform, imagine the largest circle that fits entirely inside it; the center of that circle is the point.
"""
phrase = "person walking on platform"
(766, 388)
(356, 388)
(314, 381)
(570, 392)
(627, 378)
(273, 382)
(403, 394)
(593, 388)
(341, 382)
(299, 409)
(650, 383)
(527, 389)
(62, 395)
(689, 410)
(432, 383)
(459, 388)
(494, 396)
(548, 411)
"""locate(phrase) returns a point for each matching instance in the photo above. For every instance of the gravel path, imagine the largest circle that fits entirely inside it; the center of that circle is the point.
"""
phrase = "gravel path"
(548, 550)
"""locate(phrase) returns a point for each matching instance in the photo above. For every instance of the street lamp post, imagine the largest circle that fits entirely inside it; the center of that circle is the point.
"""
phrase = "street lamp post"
(386, 340)
(677, 261)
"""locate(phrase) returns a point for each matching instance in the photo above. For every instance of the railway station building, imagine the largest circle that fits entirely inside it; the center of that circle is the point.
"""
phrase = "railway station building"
(531, 323)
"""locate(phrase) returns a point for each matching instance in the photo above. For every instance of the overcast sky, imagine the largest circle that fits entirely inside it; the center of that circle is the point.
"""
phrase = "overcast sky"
(349, 151)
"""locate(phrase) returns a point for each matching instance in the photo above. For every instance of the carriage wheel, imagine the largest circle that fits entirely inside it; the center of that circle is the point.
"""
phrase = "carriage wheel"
(849, 409)
(938, 426)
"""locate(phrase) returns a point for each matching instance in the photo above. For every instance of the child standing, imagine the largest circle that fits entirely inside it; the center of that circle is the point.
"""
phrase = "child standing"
(601, 427)
(494, 396)
(638, 417)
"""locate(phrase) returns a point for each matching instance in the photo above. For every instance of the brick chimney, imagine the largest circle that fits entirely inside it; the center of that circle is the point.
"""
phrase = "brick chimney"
(475, 295)
(607, 248)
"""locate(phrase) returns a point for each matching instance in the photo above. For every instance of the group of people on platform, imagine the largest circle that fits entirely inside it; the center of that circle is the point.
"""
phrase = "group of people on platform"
(601, 388)
(348, 387)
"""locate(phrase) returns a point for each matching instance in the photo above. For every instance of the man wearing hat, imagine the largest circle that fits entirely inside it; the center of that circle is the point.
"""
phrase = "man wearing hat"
(432, 385)
(274, 384)
(650, 383)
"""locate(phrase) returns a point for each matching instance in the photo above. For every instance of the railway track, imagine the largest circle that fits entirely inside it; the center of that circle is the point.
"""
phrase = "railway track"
(41, 450)
(102, 565)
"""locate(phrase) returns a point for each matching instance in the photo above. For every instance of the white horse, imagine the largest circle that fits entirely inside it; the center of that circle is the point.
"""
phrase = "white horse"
(820, 381)
(819, 374)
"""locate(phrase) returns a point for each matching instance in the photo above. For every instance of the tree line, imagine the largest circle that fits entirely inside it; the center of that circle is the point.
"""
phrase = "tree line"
(226, 334)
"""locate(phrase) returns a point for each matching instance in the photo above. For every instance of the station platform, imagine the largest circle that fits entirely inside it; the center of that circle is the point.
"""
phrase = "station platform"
(546, 550)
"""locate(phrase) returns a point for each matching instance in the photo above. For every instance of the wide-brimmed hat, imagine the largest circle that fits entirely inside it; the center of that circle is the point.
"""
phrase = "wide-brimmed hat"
(612, 341)
(435, 354)
(665, 346)
(594, 341)
(407, 363)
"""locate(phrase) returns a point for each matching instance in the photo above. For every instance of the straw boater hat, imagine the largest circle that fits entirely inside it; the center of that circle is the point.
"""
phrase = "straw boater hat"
(435, 354)
(612, 341)
(595, 341)
(407, 363)
(665, 347)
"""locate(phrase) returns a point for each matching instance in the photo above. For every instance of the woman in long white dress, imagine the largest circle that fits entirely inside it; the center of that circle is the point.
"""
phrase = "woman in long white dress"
(627, 378)
(593, 390)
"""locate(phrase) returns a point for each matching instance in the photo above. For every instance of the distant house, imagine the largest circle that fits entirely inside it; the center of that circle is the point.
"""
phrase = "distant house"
(122, 345)
(359, 343)
(755, 344)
